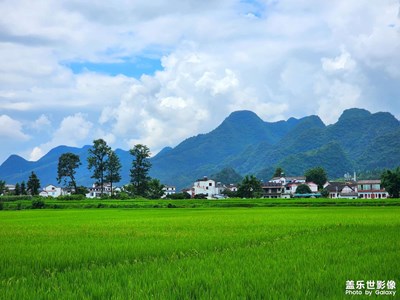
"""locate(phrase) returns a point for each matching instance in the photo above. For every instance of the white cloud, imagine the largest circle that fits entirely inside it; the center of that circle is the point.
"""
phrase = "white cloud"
(72, 130)
(36, 154)
(210, 81)
(335, 98)
(42, 122)
(11, 129)
(279, 58)
(343, 62)
(190, 95)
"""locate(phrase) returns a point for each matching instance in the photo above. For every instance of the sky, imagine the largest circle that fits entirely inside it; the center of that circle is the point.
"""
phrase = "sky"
(157, 72)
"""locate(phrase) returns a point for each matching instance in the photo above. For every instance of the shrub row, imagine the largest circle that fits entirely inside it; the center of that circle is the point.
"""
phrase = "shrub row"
(16, 198)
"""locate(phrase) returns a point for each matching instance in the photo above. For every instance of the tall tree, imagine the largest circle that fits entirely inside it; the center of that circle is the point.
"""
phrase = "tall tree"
(250, 187)
(97, 161)
(33, 184)
(113, 168)
(67, 165)
(278, 172)
(2, 187)
(23, 188)
(317, 175)
(140, 169)
(391, 182)
(17, 190)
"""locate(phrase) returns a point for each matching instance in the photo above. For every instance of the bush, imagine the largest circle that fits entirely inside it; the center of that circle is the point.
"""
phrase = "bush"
(56, 206)
(18, 206)
(325, 193)
(121, 196)
(81, 190)
(178, 196)
(1, 205)
(16, 198)
(37, 203)
(303, 189)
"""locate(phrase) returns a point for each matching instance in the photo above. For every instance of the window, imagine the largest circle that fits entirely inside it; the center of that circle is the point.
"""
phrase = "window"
(210, 184)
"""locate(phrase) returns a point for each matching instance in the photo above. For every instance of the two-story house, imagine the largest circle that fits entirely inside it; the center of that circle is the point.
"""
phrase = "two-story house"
(371, 189)
(207, 187)
(53, 191)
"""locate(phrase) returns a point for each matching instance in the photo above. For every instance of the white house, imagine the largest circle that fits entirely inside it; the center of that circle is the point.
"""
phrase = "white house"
(287, 180)
(207, 187)
(52, 191)
(168, 190)
(344, 190)
(371, 189)
(10, 188)
(232, 187)
(285, 187)
(95, 190)
(367, 189)
(274, 190)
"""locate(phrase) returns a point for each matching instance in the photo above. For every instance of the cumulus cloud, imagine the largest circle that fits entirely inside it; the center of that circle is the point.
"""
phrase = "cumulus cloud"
(72, 130)
(343, 62)
(278, 58)
(193, 93)
(11, 129)
(335, 98)
(42, 122)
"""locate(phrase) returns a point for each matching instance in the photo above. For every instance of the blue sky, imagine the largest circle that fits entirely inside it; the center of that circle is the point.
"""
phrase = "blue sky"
(158, 72)
(135, 68)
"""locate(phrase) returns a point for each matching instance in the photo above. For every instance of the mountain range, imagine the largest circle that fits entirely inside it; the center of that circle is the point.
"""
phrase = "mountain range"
(358, 141)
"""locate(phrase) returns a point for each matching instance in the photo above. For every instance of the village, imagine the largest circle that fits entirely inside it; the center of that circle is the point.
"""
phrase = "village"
(284, 187)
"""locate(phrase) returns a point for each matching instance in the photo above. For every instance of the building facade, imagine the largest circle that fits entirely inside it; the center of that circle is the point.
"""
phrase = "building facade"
(207, 187)
(371, 189)
(168, 190)
(53, 191)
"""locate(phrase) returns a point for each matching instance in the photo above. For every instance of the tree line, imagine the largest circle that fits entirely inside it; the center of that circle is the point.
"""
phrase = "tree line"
(31, 187)
(105, 166)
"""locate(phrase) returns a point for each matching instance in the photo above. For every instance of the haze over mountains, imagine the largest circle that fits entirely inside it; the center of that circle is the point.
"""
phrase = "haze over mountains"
(358, 141)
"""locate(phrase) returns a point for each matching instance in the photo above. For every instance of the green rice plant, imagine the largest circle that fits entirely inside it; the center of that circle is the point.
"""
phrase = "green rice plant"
(201, 253)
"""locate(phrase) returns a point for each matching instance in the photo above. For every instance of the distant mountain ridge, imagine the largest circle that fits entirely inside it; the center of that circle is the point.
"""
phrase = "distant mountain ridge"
(358, 141)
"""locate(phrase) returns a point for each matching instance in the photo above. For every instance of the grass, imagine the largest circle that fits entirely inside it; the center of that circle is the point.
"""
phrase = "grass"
(203, 253)
(191, 203)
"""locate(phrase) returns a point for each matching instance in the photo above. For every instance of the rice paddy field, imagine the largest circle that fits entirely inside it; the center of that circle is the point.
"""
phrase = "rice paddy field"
(197, 253)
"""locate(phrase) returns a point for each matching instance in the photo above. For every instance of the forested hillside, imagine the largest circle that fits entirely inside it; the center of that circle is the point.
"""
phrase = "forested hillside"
(244, 143)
